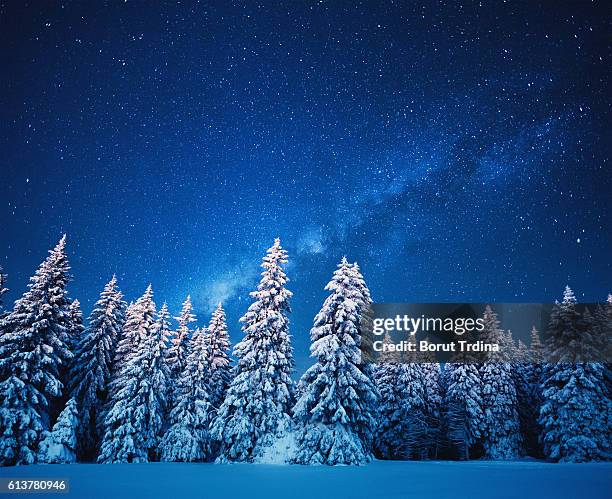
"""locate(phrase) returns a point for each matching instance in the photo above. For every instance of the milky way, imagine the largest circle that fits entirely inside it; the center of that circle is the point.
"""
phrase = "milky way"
(457, 152)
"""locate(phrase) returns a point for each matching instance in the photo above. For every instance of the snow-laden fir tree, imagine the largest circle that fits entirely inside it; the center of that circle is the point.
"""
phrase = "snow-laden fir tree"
(402, 421)
(536, 365)
(603, 340)
(364, 325)
(218, 342)
(74, 333)
(3, 312)
(164, 325)
(463, 407)
(91, 371)
(575, 413)
(385, 376)
(336, 412)
(164, 320)
(60, 444)
(3, 291)
(491, 334)
(176, 354)
(255, 415)
(528, 408)
(133, 424)
(501, 430)
(32, 352)
(433, 402)
(188, 435)
(76, 325)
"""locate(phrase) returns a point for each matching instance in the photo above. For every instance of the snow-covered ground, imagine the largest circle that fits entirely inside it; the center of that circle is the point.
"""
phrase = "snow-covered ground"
(388, 480)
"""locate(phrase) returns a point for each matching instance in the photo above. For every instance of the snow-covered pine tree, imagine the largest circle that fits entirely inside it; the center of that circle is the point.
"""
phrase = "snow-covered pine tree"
(164, 320)
(3, 291)
(92, 366)
(255, 414)
(60, 444)
(575, 412)
(76, 325)
(402, 421)
(603, 335)
(533, 371)
(3, 312)
(501, 435)
(463, 408)
(134, 421)
(385, 377)
(164, 325)
(73, 337)
(491, 334)
(218, 343)
(433, 401)
(188, 435)
(176, 354)
(336, 412)
(32, 352)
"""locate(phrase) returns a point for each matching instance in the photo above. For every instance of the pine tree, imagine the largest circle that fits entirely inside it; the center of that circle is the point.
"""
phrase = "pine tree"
(218, 343)
(575, 411)
(165, 324)
(3, 313)
(256, 409)
(603, 333)
(501, 435)
(76, 325)
(3, 291)
(32, 352)
(491, 334)
(433, 402)
(134, 422)
(463, 406)
(533, 373)
(177, 353)
(336, 412)
(59, 445)
(73, 337)
(403, 428)
(92, 367)
(501, 431)
(188, 436)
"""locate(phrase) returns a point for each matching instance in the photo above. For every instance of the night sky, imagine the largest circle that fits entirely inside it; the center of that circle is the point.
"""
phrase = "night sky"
(457, 151)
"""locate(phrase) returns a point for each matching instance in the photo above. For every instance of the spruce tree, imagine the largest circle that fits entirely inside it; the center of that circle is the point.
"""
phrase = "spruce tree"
(402, 421)
(463, 407)
(255, 412)
(500, 431)
(3, 312)
(32, 352)
(92, 367)
(176, 354)
(188, 436)
(533, 372)
(164, 320)
(133, 424)
(76, 325)
(433, 402)
(3, 291)
(603, 333)
(336, 412)
(60, 444)
(575, 410)
(501, 435)
(218, 343)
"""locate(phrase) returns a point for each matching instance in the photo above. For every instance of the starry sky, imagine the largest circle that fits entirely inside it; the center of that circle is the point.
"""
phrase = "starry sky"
(459, 151)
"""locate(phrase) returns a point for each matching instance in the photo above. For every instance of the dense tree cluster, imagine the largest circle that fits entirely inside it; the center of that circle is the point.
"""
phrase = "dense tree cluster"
(128, 386)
